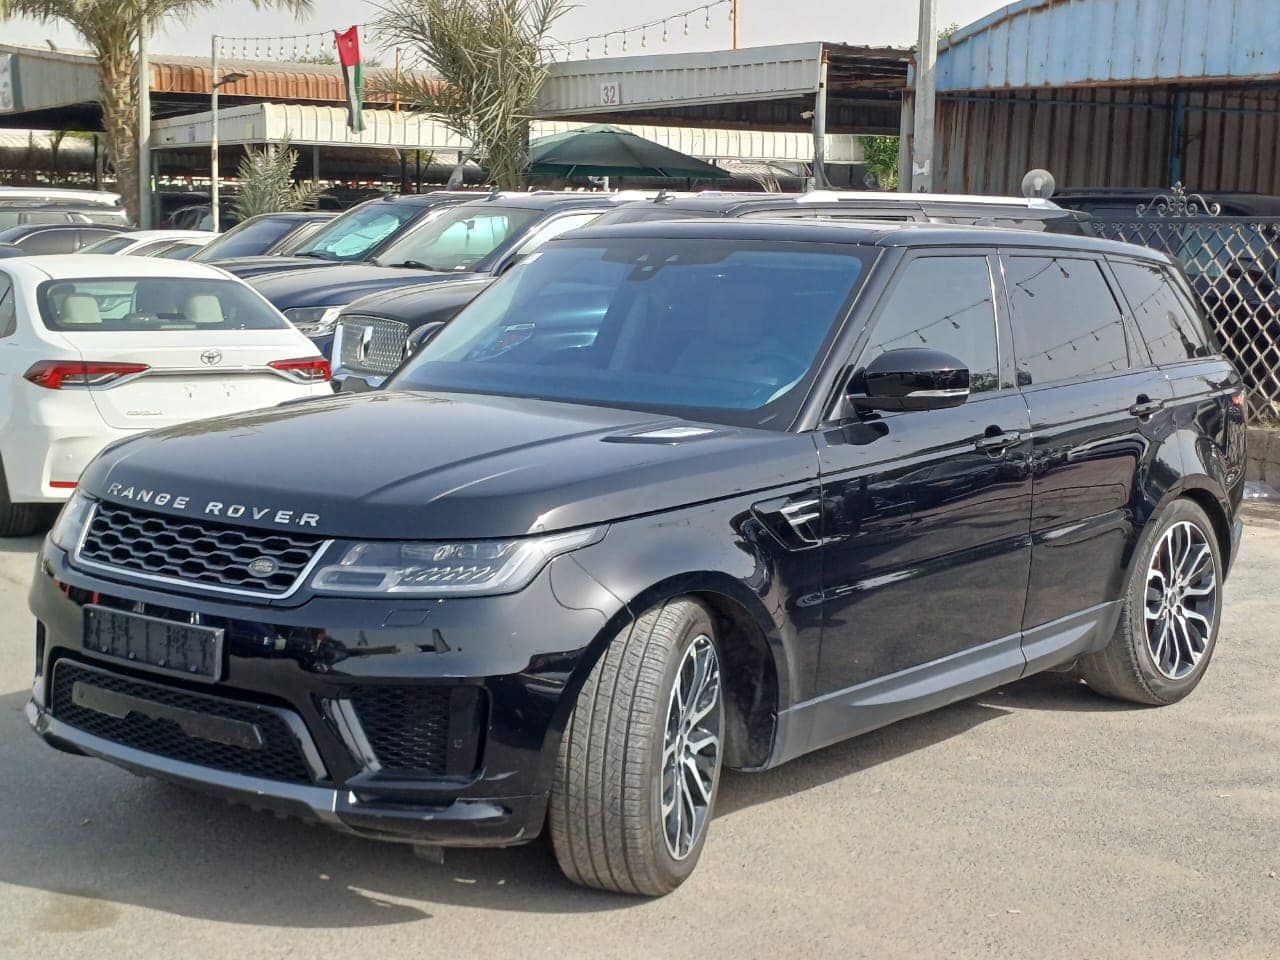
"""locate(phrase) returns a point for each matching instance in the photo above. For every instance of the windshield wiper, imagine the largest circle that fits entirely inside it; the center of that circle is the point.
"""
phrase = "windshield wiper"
(317, 254)
(415, 265)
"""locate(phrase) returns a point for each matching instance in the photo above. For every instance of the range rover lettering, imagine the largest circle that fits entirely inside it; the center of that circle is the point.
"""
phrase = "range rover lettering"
(671, 498)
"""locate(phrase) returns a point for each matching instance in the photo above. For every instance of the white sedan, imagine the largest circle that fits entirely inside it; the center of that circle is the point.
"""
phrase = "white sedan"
(97, 348)
(145, 243)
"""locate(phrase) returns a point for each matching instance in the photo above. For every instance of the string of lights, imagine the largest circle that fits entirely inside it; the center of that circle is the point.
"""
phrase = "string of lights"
(660, 29)
(290, 48)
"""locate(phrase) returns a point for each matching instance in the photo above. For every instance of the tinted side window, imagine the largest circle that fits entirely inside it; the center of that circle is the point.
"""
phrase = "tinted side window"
(1066, 323)
(943, 303)
(49, 241)
(8, 308)
(1170, 332)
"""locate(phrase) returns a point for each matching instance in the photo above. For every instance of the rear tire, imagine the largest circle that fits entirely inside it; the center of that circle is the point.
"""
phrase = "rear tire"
(1168, 626)
(17, 519)
(639, 763)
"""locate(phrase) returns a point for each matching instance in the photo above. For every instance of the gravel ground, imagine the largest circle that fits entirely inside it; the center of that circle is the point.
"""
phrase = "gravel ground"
(1035, 821)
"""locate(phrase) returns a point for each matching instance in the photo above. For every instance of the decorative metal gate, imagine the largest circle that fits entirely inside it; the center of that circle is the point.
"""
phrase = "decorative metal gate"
(1234, 267)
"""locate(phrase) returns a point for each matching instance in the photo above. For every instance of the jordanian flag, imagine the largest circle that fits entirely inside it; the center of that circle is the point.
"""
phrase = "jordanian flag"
(352, 75)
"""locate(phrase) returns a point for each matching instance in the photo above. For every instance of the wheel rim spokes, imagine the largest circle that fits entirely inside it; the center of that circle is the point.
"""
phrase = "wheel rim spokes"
(691, 748)
(1180, 603)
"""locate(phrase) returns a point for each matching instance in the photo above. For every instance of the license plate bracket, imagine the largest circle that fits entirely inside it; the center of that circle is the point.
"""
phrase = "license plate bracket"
(187, 650)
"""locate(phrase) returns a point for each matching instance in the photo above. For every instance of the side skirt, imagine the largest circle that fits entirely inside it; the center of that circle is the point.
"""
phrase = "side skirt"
(828, 719)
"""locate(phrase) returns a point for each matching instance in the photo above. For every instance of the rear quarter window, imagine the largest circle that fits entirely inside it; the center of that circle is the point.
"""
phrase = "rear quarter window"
(1170, 329)
(1067, 324)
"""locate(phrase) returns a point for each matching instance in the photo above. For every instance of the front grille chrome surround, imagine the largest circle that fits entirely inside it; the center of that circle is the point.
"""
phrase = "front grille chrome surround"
(194, 554)
(373, 345)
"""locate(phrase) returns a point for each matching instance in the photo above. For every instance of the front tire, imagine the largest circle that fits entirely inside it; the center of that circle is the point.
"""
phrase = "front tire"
(1168, 627)
(639, 763)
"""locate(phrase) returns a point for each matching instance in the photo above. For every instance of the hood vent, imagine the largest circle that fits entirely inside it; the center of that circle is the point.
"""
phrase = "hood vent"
(669, 435)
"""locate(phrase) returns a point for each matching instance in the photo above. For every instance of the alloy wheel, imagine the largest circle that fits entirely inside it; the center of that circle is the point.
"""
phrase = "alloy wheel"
(691, 747)
(1181, 600)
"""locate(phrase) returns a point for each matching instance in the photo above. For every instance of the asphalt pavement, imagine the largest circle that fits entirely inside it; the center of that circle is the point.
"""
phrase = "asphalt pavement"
(1035, 821)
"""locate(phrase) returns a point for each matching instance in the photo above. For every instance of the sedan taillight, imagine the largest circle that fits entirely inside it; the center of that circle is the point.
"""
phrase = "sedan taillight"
(57, 374)
(304, 369)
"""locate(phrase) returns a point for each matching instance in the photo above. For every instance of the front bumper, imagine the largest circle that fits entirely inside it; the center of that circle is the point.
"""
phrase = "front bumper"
(516, 656)
(460, 822)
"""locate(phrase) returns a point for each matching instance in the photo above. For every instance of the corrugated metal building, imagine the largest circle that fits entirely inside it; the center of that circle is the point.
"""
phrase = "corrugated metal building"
(1113, 93)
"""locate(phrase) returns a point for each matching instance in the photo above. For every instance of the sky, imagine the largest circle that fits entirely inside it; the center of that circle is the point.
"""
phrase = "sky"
(761, 22)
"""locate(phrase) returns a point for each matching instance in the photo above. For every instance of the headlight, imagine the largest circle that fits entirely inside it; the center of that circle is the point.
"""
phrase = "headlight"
(313, 321)
(476, 568)
(69, 526)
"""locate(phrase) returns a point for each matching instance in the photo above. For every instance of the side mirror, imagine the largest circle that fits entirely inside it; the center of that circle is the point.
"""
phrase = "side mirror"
(422, 336)
(910, 379)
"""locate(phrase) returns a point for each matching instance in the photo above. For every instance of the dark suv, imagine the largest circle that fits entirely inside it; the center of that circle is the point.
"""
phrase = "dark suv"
(375, 333)
(672, 497)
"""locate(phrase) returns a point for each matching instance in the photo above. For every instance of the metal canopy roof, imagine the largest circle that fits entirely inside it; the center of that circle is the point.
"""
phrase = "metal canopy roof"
(311, 125)
(760, 87)
(1087, 43)
(58, 89)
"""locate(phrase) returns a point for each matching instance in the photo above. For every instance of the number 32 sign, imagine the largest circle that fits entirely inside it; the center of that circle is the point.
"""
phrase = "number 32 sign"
(610, 94)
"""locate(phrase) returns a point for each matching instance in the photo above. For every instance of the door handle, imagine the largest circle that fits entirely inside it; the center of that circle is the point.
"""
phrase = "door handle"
(997, 442)
(1146, 407)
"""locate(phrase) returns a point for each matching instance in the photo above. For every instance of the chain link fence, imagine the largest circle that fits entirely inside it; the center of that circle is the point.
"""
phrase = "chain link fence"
(1234, 267)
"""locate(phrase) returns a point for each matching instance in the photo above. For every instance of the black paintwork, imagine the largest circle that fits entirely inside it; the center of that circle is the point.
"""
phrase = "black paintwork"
(939, 565)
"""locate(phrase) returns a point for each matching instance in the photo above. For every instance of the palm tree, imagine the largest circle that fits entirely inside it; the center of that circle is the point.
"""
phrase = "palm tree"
(111, 28)
(266, 182)
(485, 62)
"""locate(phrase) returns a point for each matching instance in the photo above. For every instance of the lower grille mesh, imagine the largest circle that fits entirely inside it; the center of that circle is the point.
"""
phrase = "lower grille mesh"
(408, 727)
(279, 758)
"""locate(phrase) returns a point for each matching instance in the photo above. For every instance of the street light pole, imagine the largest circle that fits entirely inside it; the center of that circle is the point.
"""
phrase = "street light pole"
(215, 210)
(925, 99)
(144, 126)
(735, 24)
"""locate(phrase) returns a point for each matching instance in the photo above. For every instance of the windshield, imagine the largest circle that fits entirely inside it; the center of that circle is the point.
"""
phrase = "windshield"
(248, 239)
(729, 331)
(109, 245)
(153, 303)
(355, 234)
(459, 238)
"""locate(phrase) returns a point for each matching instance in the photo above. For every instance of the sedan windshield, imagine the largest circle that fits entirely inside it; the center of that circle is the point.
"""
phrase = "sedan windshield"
(153, 303)
(354, 235)
(459, 238)
(729, 331)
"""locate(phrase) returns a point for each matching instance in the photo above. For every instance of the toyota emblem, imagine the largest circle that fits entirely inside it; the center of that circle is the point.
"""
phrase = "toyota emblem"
(211, 358)
(263, 567)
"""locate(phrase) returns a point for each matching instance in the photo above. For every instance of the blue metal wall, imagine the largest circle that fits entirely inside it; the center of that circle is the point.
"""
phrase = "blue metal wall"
(1069, 43)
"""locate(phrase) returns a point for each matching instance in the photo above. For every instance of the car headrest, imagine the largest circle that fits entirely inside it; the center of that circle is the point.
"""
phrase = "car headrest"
(80, 310)
(204, 308)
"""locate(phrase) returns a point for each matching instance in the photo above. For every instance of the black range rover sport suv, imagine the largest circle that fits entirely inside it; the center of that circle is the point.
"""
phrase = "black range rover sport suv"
(670, 497)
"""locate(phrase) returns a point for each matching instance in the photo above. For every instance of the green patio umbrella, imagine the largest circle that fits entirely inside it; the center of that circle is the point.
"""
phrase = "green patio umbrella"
(607, 151)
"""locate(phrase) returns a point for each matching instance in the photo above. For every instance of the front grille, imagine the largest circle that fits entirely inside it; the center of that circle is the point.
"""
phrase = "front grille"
(196, 551)
(372, 344)
(407, 727)
(279, 757)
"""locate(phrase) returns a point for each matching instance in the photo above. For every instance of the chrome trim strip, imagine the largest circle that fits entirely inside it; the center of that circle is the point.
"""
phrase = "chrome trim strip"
(123, 573)
(345, 719)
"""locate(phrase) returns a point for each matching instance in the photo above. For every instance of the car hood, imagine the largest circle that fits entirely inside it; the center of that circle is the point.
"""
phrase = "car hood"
(401, 465)
(339, 285)
(418, 304)
(245, 267)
